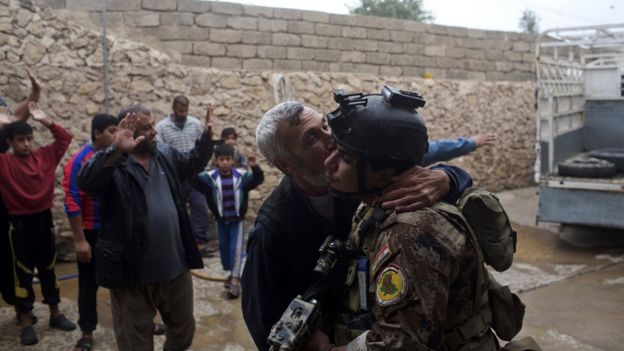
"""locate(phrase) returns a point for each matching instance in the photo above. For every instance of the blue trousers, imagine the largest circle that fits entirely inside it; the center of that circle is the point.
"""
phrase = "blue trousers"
(231, 240)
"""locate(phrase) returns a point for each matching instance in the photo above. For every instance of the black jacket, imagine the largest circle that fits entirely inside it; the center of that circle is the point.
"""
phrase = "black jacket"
(282, 251)
(121, 258)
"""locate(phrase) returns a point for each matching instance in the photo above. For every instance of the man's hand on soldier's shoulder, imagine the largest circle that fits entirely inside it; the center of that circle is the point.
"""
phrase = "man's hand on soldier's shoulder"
(415, 188)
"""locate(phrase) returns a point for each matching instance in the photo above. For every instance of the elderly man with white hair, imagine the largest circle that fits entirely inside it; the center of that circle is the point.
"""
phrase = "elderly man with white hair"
(296, 218)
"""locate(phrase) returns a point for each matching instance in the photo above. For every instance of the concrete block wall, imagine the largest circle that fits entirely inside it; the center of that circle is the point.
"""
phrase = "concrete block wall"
(234, 36)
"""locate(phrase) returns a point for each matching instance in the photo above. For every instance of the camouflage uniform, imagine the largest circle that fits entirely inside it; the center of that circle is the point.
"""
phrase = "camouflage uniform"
(420, 284)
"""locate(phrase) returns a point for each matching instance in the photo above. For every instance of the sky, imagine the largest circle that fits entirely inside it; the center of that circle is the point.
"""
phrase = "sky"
(487, 14)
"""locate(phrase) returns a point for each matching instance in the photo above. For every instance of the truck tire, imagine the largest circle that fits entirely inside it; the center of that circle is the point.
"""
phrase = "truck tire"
(586, 168)
(613, 155)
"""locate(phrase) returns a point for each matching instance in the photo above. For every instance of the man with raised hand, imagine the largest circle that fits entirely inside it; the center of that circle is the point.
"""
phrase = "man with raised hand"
(146, 247)
(181, 131)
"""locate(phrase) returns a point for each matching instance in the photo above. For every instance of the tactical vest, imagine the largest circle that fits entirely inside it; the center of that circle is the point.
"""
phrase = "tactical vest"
(497, 307)
(357, 316)
(472, 334)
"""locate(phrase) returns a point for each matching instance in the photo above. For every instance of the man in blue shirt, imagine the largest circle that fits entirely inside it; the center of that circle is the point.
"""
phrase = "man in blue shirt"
(447, 149)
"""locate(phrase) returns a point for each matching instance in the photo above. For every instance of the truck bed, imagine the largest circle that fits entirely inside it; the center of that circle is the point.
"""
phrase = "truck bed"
(605, 184)
(583, 201)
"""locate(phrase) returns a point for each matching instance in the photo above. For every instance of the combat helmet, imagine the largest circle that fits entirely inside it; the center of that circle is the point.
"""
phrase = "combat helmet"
(383, 130)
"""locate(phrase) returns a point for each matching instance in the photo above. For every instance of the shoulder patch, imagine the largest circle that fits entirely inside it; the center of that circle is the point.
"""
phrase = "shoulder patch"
(434, 223)
(391, 286)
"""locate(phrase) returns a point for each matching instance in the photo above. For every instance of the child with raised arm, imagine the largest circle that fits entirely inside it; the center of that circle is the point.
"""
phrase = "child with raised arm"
(227, 191)
(27, 186)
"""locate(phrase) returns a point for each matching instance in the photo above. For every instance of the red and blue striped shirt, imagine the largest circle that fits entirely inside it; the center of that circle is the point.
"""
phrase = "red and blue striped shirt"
(78, 203)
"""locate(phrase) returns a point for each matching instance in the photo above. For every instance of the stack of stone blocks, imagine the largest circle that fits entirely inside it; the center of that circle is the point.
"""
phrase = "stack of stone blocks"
(234, 36)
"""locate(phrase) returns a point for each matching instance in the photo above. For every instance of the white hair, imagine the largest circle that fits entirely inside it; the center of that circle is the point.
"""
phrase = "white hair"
(270, 145)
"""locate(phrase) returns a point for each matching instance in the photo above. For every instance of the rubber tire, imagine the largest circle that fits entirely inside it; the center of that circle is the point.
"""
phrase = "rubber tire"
(613, 155)
(586, 168)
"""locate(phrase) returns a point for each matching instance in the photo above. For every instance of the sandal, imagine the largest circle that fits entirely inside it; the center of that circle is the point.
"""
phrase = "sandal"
(84, 344)
(61, 322)
(234, 291)
(227, 282)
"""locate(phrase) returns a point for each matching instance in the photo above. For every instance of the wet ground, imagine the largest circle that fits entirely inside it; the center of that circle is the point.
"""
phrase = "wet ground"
(219, 321)
(570, 278)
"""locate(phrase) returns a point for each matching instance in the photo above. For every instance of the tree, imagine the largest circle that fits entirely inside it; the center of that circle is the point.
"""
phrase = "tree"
(529, 22)
(403, 9)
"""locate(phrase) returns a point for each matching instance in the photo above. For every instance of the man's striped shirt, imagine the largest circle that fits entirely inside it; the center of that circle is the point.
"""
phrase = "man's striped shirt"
(181, 138)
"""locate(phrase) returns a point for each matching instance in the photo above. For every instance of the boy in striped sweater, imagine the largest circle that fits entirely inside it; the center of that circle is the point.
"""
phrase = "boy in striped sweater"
(226, 190)
(83, 212)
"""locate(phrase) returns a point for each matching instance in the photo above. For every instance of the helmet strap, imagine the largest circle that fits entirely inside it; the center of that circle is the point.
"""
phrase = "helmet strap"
(362, 190)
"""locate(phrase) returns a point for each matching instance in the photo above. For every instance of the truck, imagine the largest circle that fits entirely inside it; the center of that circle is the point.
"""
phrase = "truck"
(579, 163)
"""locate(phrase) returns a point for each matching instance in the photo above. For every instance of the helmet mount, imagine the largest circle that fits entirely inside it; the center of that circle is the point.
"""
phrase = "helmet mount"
(383, 130)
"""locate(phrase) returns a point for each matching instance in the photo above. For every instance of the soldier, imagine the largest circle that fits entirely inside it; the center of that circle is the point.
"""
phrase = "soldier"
(300, 213)
(415, 277)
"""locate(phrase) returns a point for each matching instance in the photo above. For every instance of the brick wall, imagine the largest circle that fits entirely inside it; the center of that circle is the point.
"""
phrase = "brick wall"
(233, 36)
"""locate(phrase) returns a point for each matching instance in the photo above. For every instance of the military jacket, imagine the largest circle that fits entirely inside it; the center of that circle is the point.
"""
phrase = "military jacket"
(420, 282)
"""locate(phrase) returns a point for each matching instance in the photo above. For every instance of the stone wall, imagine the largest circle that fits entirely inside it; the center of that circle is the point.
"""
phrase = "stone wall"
(233, 36)
(67, 58)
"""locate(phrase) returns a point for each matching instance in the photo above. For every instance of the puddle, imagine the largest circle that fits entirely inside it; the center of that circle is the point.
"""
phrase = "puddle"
(568, 269)
(522, 277)
(612, 259)
(570, 341)
(616, 281)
